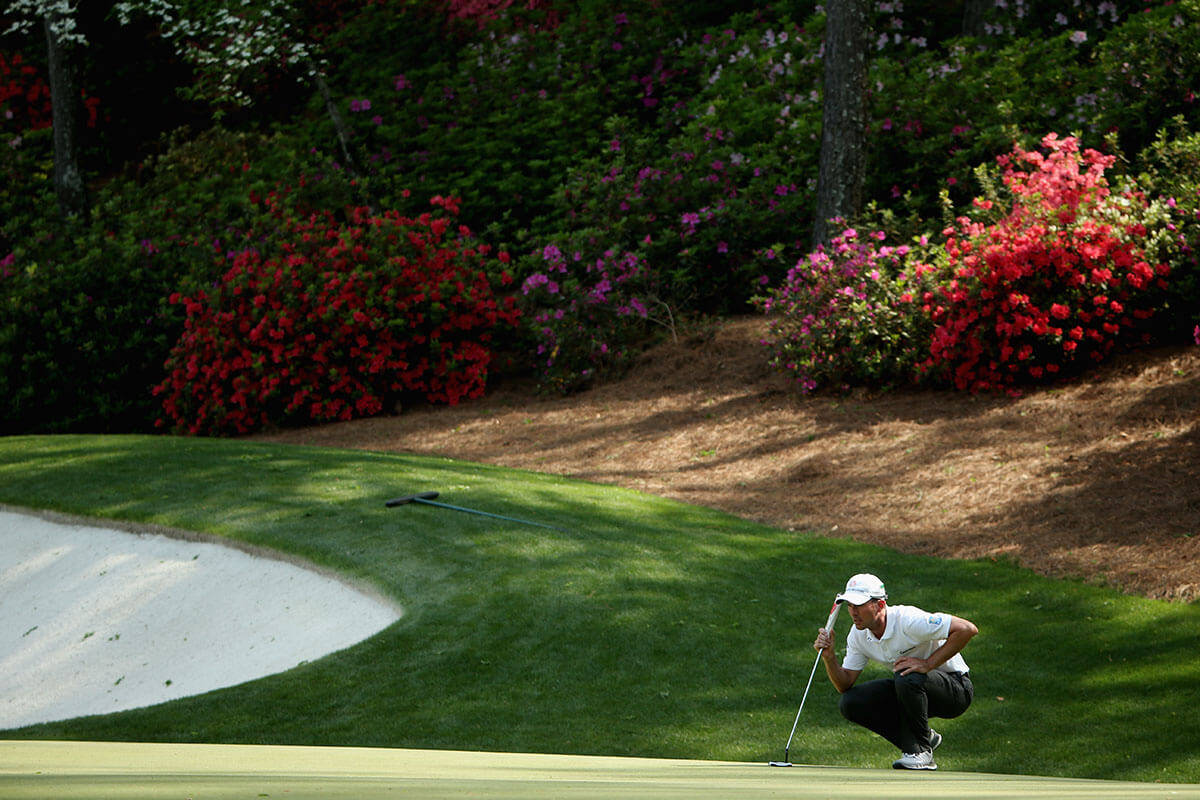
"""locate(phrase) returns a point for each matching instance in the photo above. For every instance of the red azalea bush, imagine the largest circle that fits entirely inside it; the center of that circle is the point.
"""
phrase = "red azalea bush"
(539, 13)
(24, 95)
(345, 319)
(25, 98)
(1052, 285)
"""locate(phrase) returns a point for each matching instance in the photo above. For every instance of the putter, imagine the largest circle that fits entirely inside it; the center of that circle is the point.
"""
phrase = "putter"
(833, 612)
(427, 499)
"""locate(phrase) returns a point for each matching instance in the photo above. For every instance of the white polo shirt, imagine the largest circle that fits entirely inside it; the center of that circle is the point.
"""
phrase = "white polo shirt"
(909, 631)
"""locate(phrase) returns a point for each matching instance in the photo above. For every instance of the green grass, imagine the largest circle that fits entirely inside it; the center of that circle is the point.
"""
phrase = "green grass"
(651, 628)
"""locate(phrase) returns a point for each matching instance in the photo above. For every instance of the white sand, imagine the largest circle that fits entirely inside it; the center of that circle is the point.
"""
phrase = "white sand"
(94, 620)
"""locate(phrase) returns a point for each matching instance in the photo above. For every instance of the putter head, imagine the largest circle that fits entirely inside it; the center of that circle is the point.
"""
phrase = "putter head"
(410, 498)
(779, 763)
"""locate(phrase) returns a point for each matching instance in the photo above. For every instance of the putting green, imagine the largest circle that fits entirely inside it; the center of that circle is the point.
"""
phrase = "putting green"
(107, 770)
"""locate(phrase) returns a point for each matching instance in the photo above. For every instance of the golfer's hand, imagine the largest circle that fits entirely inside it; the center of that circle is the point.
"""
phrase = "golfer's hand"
(909, 665)
(824, 640)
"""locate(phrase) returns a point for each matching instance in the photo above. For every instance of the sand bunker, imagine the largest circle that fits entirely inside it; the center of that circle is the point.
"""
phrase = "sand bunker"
(94, 620)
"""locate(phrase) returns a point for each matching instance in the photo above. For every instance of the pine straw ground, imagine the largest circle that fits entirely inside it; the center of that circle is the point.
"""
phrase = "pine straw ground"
(1098, 479)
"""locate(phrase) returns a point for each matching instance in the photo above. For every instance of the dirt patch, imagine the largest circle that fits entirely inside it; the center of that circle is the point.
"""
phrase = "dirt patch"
(1099, 478)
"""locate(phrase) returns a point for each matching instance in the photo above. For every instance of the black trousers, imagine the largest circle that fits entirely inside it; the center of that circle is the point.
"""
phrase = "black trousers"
(899, 708)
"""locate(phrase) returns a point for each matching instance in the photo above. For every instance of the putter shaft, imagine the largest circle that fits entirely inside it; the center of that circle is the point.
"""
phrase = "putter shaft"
(829, 623)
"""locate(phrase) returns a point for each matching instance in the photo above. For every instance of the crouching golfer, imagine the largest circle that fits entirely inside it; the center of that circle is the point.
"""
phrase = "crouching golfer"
(929, 679)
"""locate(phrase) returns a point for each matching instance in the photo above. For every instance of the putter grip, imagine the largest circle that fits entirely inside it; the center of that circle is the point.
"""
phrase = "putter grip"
(833, 612)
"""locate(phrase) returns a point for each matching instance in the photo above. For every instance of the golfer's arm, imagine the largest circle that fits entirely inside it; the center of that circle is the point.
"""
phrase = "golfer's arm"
(961, 632)
(841, 678)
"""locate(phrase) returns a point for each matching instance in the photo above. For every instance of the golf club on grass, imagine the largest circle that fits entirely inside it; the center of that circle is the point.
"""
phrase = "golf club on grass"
(833, 612)
(427, 499)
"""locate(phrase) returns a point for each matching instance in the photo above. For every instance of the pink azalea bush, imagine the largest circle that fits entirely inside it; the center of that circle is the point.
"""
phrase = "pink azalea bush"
(848, 314)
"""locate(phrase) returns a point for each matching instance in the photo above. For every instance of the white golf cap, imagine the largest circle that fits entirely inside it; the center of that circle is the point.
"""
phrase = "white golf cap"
(862, 588)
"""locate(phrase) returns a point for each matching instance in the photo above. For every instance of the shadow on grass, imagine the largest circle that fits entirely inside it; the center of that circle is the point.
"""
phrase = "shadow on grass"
(646, 628)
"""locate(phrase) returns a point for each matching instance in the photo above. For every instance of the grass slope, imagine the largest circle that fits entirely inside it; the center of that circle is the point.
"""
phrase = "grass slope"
(650, 628)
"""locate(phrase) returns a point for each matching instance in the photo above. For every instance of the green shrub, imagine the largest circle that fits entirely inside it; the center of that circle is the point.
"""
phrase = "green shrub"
(661, 222)
(942, 105)
(731, 173)
(496, 119)
(85, 324)
(938, 113)
(1170, 170)
(82, 336)
(1148, 71)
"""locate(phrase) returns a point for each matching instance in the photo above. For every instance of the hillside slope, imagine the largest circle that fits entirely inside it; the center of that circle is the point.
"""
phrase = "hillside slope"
(1099, 478)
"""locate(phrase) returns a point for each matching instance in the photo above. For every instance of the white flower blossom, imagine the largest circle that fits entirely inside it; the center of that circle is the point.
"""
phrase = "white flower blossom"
(224, 44)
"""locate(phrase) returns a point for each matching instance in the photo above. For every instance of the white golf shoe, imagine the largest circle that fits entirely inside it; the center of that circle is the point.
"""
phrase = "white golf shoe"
(922, 760)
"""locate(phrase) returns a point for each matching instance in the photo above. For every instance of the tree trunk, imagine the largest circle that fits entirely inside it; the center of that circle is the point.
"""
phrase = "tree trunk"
(973, 16)
(343, 137)
(844, 122)
(339, 126)
(64, 107)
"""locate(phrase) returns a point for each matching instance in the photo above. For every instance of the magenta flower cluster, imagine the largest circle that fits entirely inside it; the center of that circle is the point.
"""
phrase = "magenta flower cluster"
(847, 314)
(582, 313)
